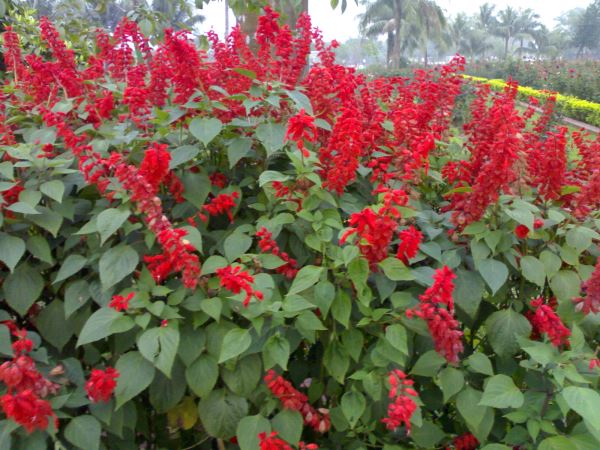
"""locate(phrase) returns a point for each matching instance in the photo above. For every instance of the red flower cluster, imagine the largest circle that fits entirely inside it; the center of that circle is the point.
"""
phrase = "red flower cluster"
(221, 204)
(101, 384)
(545, 320)
(291, 398)
(402, 407)
(301, 127)
(237, 280)
(120, 303)
(465, 441)
(155, 165)
(410, 240)
(521, 231)
(28, 410)
(436, 307)
(590, 304)
(272, 442)
(268, 245)
(26, 386)
(594, 363)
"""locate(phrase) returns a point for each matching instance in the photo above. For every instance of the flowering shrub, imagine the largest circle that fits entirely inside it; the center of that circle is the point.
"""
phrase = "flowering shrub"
(219, 250)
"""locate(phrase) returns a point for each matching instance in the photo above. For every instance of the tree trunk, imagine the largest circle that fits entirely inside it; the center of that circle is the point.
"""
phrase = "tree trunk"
(425, 58)
(506, 39)
(390, 46)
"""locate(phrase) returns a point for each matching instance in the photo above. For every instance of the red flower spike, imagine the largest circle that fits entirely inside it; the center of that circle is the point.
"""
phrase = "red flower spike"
(465, 442)
(237, 280)
(436, 307)
(402, 407)
(120, 303)
(101, 384)
(268, 245)
(28, 410)
(155, 165)
(545, 321)
(410, 240)
(590, 304)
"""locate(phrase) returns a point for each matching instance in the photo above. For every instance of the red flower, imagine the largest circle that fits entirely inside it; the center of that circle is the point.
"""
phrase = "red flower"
(402, 407)
(545, 320)
(300, 127)
(120, 303)
(221, 204)
(21, 374)
(291, 398)
(237, 280)
(268, 245)
(272, 442)
(155, 165)
(218, 179)
(101, 384)
(591, 302)
(27, 409)
(444, 328)
(594, 363)
(521, 231)
(465, 442)
(410, 239)
(538, 223)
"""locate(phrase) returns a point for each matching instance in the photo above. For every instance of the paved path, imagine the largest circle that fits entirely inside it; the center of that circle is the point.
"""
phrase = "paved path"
(568, 120)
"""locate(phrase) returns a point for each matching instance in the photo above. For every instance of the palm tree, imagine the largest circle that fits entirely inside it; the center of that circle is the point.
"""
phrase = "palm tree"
(528, 25)
(178, 14)
(432, 22)
(507, 26)
(486, 17)
(379, 19)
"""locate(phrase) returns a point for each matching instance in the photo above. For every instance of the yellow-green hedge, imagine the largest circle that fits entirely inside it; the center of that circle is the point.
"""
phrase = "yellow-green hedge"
(567, 105)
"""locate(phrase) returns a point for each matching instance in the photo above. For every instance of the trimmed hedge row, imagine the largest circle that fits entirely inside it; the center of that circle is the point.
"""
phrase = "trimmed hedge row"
(576, 108)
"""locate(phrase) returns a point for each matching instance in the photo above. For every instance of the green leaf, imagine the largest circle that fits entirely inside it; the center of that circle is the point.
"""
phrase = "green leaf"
(22, 288)
(353, 406)
(580, 238)
(135, 375)
(341, 308)
(213, 263)
(565, 285)
(159, 346)
(183, 154)
(396, 336)
(495, 273)
(533, 270)
(523, 216)
(395, 270)
(220, 413)
(236, 244)
(197, 188)
(551, 262)
(337, 361)
(479, 419)
(276, 351)
(248, 430)
(558, 443)
(77, 293)
(38, 246)
(12, 250)
(202, 375)
(235, 342)
(205, 129)
(540, 352)
(307, 277)
(428, 364)
(116, 264)
(288, 424)
(54, 189)
(451, 382)
(480, 363)
(271, 135)
(238, 149)
(100, 325)
(500, 392)
(47, 219)
(585, 402)
(301, 101)
(5, 341)
(71, 265)
(53, 326)
(468, 291)
(109, 221)
(84, 432)
(503, 329)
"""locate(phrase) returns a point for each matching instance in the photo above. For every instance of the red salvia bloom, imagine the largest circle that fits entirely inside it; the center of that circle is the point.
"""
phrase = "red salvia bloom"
(521, 231)
(237, 280)
(594, 363)
(120, 303)
(410, 240)
(221, 204)
(155, 165)
(268, 245)
(301, 127)
(591, 302)
(272, 442)
(436, 307)
(465, 441)
(402, 406)
(28, 410)
(218, 179)
(101, 384)
(546, 321)
(291, 398)
(20, 374)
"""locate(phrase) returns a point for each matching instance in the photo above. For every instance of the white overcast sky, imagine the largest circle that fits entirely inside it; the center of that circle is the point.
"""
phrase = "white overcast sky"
(336, 25)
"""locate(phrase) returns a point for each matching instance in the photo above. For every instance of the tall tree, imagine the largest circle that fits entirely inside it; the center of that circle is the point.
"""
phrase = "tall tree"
(507, 26)
(432, 23)
(587, 32)
(528, 26)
